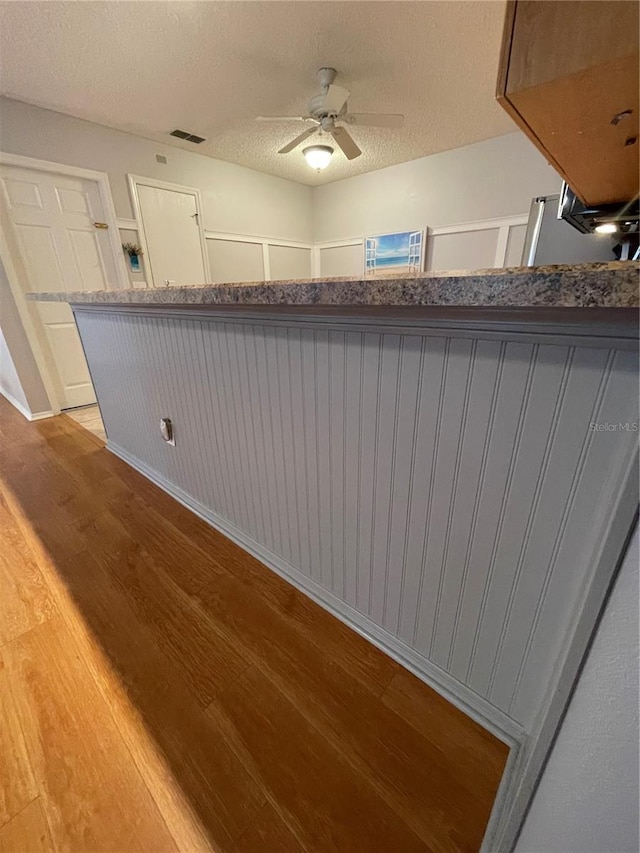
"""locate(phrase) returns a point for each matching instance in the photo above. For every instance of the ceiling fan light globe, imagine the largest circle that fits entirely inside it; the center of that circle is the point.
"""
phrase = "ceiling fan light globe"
(318, 156)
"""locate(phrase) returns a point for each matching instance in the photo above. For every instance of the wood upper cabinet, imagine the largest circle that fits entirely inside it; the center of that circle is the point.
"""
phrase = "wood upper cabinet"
(569, 77)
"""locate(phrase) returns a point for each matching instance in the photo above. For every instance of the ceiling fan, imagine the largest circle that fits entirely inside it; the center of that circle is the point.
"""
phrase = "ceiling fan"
(327, 114)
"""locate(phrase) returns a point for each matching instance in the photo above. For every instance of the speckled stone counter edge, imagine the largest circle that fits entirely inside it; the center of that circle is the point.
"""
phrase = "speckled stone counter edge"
(608, 285)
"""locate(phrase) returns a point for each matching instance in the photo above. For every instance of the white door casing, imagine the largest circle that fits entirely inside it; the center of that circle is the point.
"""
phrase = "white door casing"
(171, 231)
(54, 215)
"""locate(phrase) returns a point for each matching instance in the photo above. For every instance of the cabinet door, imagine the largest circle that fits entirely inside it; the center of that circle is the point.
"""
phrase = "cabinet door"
(567, 70)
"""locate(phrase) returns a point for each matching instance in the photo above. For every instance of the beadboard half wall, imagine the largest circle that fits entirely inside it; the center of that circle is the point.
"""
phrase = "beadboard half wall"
(442, 489)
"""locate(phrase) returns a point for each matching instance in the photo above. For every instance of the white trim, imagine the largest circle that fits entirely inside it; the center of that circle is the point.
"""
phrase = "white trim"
(502, 225)
(104, 190)
(488, 716)
(49, 166)
(40, 416)
(504, 794)
(127, 224)
(339, 244)
(456, 228)
(480, 225)
(254, 238)
(316, 270)
(315, 262)
(264, 243)
(24, 411)
(266, 262)
(501, 245)
(618, 526)
(134, 181)
(554, 330)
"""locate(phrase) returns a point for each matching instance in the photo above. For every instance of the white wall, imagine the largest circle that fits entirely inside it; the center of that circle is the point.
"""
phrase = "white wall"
(491, 179)
(10, 385)
(587, 801)
(488, 180)
(19, 375)
(235, 199)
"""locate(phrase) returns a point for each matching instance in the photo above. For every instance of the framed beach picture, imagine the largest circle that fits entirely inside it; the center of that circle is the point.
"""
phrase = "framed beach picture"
(396, 254)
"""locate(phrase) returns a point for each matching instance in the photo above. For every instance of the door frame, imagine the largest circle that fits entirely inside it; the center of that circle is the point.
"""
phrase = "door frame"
(16, 269)
(134, 182)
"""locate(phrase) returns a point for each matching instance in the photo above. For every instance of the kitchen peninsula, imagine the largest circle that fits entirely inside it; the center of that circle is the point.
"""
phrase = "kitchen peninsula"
(425, 457)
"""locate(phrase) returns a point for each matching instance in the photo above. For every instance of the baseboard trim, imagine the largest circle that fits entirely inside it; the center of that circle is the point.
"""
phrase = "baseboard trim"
(24, 411)
(491, 718)
(39, 416)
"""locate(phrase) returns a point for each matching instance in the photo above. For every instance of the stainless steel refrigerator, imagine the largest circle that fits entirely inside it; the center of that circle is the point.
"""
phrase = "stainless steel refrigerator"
(550, 240)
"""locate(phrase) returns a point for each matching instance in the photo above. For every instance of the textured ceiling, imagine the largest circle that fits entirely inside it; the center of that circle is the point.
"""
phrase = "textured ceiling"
(210, 67)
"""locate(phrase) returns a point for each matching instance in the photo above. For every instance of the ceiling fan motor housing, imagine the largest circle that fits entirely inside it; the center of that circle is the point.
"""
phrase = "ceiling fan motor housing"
(326, 76)
(317, 107)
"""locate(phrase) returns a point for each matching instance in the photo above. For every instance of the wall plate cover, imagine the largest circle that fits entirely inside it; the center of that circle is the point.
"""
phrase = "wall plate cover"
(166, 431)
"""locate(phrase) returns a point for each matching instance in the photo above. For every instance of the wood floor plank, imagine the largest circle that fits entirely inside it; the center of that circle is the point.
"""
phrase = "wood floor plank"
(93, 794)
(269, 832)
(89, 419)
(210, 551)
(17, 783)
(177, 811)
(222, 793)
(26, 600)
(328, 806)
(27, 832)
(238, 713)
(479, 757)
(411, 772)
(209, 659)
(404, 763)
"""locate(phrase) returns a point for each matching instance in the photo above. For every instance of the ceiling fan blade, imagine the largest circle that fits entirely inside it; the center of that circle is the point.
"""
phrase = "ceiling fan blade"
(295, 142)
(285, 118)
(344, 140)
(335, 99)
(375, 119)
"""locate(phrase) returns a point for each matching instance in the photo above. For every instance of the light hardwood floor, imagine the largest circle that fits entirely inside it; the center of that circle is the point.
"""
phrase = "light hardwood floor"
(162, 690)
(89, 417)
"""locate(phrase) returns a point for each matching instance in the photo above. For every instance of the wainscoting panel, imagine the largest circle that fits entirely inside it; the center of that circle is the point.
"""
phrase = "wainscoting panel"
(451, 490)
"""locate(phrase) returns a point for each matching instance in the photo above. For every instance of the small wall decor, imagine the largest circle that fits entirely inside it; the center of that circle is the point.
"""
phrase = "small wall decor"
(133, 251)
(402, 252)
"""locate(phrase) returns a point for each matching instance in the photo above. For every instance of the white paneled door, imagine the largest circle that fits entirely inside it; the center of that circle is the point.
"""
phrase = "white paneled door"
(61, 227)
(172, 233)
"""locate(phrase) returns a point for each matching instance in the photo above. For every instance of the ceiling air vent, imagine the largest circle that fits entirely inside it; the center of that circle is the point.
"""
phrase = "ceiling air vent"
(188, 137)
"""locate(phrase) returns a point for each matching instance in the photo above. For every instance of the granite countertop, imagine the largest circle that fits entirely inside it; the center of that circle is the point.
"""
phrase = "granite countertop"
(604, 285)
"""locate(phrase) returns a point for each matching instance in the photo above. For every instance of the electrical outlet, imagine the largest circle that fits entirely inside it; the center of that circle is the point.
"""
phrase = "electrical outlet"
(166, 431)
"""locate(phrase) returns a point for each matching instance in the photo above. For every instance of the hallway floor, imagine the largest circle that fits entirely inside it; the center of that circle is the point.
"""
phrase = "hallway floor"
(89, 417)
(160, 689)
